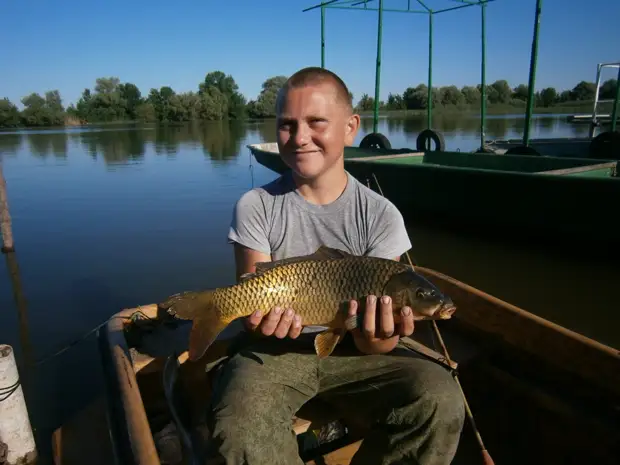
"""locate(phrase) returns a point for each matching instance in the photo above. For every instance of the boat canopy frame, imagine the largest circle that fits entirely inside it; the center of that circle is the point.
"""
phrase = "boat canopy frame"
(415, 9)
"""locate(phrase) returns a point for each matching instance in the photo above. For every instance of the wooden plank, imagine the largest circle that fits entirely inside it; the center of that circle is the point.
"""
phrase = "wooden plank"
(342, 456)
(421, 348)
(300, 425)
(84, 437)
(579, 169)
(387, 157)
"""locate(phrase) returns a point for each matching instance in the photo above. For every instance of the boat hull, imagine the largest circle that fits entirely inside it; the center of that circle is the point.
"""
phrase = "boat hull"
(527, 198)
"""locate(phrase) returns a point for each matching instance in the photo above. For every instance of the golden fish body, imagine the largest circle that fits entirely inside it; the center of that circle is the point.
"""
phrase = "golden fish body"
(314, 289)
(317, 287)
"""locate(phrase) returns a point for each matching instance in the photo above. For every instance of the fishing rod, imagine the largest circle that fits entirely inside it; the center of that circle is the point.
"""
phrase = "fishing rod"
(486, 457)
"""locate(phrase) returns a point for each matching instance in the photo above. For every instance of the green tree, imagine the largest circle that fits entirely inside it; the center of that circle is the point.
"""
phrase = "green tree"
(608, 89)
(521, 92)
(583, 91)
(547, 97)
(9, 114)
(265, 105)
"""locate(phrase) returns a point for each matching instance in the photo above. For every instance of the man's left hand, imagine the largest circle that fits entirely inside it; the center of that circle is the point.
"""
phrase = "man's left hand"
(379, 333)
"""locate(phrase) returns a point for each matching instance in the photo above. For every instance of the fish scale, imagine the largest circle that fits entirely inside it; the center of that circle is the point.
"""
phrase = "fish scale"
(315, 286)
(314, 289)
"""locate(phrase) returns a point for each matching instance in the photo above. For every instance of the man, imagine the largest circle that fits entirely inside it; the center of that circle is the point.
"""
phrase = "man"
(414, 403)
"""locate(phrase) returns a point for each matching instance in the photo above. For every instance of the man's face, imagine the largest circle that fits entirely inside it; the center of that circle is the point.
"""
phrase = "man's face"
(313, 127)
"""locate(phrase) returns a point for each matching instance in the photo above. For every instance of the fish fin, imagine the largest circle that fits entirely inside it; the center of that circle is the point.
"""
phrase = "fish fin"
(202, 310)
(204, 332)
(246, 276)
(186, 305)
(326, 341)
(322, 253)
(330, 253)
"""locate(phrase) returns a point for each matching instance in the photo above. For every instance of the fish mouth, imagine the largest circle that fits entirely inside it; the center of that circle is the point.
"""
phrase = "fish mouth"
(446, 311)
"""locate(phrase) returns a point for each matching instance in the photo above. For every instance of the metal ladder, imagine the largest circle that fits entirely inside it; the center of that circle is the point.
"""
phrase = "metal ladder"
(594, 122)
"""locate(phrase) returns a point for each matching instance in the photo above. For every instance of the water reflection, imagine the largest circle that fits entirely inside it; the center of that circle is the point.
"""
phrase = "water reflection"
(115, 147)
(10, 143)
(222, 140)
(44, 145)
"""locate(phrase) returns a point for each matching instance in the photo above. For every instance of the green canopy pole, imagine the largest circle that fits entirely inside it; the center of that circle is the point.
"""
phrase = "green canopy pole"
(322, 37)
(483, 78)
(375, 123)
(533, 59)
(614, 111)
(429, 103)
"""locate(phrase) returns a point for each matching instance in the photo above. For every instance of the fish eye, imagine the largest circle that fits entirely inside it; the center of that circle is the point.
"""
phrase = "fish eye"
(420, 294)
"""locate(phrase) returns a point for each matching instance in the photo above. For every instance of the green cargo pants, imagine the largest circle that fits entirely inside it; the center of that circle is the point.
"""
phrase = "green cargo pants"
(414, 404)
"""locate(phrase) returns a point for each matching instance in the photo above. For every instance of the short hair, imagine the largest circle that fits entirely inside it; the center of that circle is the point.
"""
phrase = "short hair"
(316, 75)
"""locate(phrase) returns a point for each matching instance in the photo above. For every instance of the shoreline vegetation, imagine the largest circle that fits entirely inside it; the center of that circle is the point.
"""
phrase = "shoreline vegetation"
(218, 98)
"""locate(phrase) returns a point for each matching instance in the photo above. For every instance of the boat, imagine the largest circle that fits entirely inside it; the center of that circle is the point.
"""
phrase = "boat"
(577, 147)
(540, 199)
(539, 393)
(605, 145)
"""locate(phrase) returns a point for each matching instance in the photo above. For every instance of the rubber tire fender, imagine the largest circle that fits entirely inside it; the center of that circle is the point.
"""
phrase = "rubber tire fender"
(605, 146)
(429, 134)
(375, 140)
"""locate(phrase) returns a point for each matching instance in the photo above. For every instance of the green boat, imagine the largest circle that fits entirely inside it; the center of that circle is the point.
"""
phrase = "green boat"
(537, 197)
(605, 146)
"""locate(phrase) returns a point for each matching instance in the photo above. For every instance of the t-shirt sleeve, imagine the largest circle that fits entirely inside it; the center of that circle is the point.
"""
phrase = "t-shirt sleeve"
(249, 223)
(388, 236)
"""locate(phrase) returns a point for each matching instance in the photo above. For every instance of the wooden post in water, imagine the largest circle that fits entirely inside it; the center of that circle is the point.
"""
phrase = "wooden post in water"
(5, 217)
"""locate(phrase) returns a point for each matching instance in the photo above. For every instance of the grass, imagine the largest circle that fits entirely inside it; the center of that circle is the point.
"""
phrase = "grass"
(584, 106)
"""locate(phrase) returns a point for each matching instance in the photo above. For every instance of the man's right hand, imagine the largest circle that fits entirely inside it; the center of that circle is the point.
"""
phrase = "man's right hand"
(279, 322)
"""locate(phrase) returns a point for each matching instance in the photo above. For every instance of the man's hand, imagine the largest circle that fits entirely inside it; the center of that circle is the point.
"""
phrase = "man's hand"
(279, 322)
(379, 334)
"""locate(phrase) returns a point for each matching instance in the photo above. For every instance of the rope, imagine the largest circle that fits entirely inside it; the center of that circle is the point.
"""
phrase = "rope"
(133, 317)
(6, 392)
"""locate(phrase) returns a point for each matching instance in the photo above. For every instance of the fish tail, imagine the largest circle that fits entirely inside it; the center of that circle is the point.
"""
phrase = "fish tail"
(200, 307)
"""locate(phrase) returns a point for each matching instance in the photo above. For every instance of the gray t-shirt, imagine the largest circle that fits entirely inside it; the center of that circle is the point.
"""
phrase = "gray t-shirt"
(276, 220)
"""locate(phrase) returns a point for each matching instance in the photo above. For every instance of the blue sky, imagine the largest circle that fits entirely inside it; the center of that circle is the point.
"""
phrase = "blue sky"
(67, 44)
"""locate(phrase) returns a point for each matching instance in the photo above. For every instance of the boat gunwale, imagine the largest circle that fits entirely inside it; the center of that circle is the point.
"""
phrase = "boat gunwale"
(370, 160)
(133, 421)
(515, 310)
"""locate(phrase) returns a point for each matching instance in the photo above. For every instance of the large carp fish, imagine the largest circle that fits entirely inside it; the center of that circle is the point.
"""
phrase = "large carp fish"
(318, 287)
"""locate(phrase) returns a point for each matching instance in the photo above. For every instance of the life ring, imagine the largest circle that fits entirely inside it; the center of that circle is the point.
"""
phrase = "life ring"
(375, 140)
(430, 135)
(522, 150)
(606, 146)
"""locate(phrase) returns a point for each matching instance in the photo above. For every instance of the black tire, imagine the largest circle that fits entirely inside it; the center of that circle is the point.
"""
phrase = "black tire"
(606, 146)
(375, 140)
(430, 135)
(522, 150)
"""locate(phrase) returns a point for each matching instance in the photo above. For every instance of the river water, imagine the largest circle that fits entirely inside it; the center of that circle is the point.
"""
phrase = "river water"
(113, 217)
